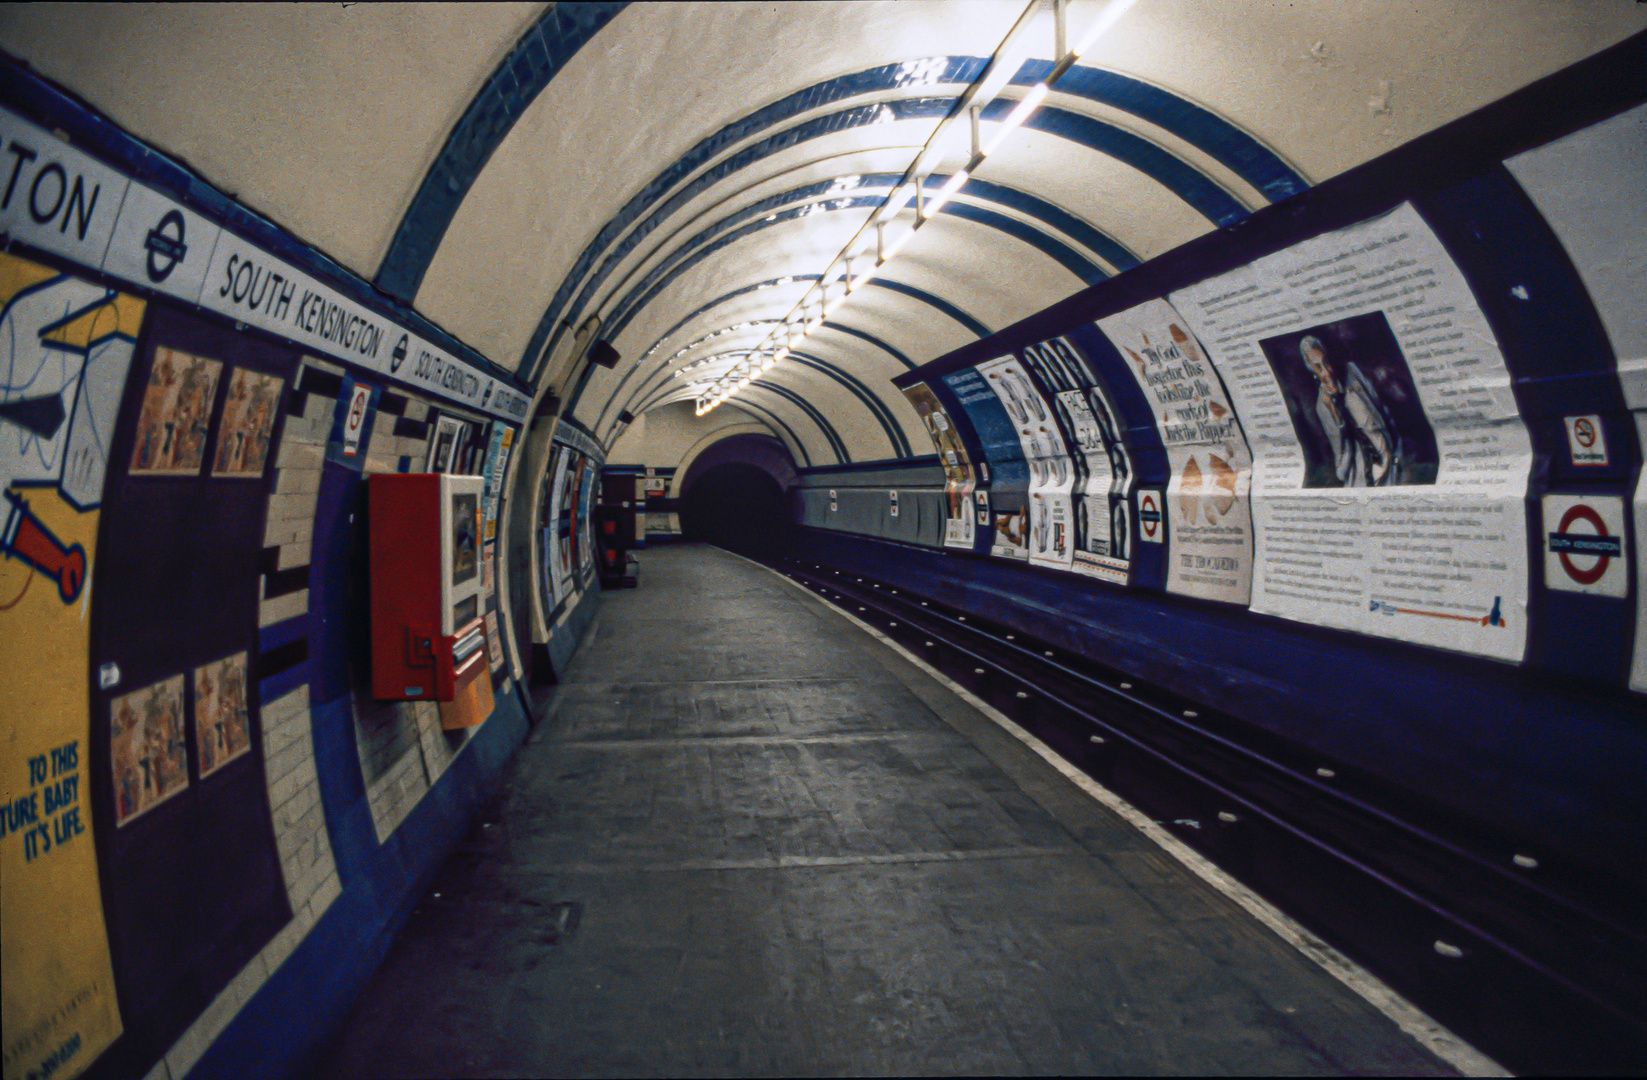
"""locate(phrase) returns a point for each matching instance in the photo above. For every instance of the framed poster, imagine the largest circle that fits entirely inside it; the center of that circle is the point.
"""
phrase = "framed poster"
(177, 407)
(442, 444)
(248, 420)
(150, 758)
(222, 726)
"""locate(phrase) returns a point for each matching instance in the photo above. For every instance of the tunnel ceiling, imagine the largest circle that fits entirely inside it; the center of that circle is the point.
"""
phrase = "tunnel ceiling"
(685, 172)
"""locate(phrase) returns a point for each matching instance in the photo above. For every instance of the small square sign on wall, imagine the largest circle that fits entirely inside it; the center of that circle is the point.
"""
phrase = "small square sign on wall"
(1586, 440)
(355, 420)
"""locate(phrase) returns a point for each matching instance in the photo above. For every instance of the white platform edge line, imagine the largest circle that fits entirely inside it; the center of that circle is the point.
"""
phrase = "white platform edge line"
(1427, 1032)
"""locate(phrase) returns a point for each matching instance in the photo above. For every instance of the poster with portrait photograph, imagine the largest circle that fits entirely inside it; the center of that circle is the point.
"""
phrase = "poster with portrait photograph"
(959, 531)
(1390, 459)
(248, 422)
(148, 752)
(222, 724)
(1208, 518)
(177, 408)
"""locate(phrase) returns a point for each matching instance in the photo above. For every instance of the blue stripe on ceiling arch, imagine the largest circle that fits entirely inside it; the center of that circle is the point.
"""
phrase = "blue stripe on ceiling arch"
(744, 403)
(873, 340)
(877, 407)
(1227, 144)
(1198, 190)
(662, 276)
(1060, 220)
(977, 328)
(955, 69)
(1194, 124)
(1093, 239)
(894, 434)
(835, 442)
(1177, 175)
(724, 297)
(938, 302)
(514, 84)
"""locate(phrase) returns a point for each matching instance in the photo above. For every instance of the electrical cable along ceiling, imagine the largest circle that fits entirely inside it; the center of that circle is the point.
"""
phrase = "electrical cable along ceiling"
(684, 180)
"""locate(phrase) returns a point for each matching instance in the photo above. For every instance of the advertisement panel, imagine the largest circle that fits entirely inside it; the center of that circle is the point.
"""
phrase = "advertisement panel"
(68, 349)
(1103, 470)
(1391, 461)
(959, 530)
(1051, 473)
(1208, 518)
(1005, 508)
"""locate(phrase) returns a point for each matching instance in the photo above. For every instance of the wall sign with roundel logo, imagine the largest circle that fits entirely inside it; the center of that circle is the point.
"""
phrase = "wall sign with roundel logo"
(1586, 440)
(1584, 545)
(1152, 527)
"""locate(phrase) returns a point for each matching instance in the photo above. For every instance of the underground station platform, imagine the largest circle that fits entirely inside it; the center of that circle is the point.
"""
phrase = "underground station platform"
(751, 837)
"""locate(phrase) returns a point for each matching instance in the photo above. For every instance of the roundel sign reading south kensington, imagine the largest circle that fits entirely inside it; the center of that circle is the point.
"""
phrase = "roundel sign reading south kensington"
(1584, 550)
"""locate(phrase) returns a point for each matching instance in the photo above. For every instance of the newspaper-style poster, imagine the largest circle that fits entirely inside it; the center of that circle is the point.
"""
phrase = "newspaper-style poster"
(1208, 518)
(1005, 508)
(1103, 468)
(1638, 663)
(1390, 460)
(552, 557)
(959, 531)
(1051, 473)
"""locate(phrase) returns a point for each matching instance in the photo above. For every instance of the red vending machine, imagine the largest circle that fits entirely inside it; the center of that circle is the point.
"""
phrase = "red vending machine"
(428, 633)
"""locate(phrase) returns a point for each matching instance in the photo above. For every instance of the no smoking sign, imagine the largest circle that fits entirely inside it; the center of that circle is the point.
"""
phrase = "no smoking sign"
(1586, 440)
(1584, 545)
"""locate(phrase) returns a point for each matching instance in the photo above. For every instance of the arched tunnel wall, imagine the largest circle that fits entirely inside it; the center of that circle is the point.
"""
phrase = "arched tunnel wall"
(214, 821)
(216, 824)
(1449, 653)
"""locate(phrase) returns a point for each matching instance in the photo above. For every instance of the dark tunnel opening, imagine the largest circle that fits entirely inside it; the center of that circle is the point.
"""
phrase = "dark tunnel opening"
(739, 507)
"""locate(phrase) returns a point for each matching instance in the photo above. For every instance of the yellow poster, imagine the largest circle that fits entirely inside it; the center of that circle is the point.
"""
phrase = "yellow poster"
(65, 350)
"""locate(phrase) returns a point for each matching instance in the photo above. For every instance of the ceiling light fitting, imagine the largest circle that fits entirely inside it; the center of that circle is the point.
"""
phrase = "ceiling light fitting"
(995, 78)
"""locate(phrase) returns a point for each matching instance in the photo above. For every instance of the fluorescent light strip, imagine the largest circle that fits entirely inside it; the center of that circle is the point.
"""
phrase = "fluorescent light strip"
(1016, 117)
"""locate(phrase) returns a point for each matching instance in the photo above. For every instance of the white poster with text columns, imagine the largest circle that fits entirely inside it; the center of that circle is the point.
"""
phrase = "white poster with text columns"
(1390, 462)
(1051, 474)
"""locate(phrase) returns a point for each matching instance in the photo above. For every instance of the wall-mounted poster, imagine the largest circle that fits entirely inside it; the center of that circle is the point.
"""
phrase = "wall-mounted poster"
(150, 754)
(1051, 472)
(177, 407)
(1390, 460)
(494, 644)
(1103, 468)
(222, 726)
(1007, 504)
(248, 421)
(1208, 518)
(553, 559)
(66, 348)
(958, 478)
(442, 444)
(585, 517)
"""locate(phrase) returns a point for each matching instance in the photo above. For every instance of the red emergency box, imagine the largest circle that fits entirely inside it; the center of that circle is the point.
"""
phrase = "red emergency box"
(428, 633)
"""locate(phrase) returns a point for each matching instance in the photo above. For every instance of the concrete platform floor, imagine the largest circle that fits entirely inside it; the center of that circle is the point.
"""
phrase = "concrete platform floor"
(751, 840)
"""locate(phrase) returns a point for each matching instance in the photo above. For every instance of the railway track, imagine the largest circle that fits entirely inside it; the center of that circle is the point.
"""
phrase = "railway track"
(1541, 965)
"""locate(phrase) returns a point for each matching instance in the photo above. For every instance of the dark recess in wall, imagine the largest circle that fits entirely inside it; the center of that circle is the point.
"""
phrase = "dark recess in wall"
(739, 507)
